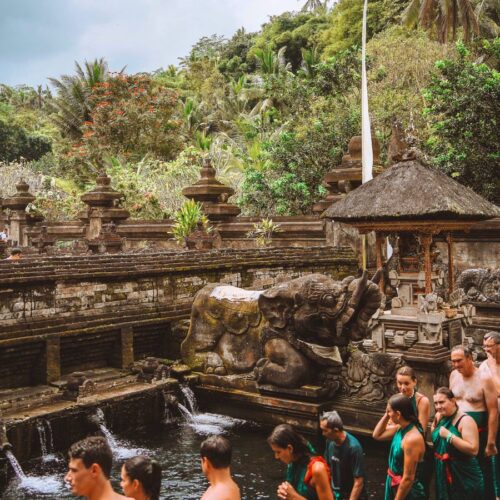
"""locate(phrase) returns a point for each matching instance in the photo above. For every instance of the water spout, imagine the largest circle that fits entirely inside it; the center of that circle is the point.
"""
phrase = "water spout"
(120, 448)
(15, 465)
(189, 399)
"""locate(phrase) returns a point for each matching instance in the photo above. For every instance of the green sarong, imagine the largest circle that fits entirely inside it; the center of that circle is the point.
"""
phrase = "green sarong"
(458, 476)
(396, 467)
(487, 464)
(296, 472)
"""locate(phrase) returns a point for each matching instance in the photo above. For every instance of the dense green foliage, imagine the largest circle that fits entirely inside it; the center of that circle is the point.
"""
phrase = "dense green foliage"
(274, 110)
(464, 109)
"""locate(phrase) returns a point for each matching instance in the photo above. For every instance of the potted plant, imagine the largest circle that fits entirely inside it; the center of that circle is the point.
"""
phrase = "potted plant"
(191, 226)
(263, 232)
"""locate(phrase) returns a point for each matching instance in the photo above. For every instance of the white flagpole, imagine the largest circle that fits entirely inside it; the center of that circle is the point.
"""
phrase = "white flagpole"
(366, 135)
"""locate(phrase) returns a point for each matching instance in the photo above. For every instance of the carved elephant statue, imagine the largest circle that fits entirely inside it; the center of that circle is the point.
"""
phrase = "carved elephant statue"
(224, 336)
(281, 333)
(308, 318)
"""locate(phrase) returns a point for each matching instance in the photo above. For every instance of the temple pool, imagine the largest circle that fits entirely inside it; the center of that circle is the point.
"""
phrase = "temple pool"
(177, 449)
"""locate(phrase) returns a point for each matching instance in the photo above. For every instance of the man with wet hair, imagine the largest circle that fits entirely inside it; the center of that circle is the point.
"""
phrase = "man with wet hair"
(15, 254)
(476, 395)
(344, 455)
(216, 452)
(90, 462)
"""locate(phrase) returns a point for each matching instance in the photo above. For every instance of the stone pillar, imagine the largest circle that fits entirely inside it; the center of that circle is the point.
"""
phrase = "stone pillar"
(101, 211)
(125, 352)
(347, 176)
(53, 359)
(212, 194)
(18, 219)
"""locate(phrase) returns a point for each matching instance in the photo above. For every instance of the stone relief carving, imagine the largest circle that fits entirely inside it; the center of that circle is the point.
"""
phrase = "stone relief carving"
(370, 377)
(480, 285)
(286, 334)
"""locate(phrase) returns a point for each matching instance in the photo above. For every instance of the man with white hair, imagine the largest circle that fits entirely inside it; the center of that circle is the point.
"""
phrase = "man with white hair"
(344, 455)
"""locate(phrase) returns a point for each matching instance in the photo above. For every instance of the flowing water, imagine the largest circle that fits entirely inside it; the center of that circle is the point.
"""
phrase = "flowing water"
(46, 441)
(121, 449)
(177, 449)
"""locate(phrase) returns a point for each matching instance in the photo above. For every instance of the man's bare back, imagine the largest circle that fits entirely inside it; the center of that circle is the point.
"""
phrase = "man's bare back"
(222, 491)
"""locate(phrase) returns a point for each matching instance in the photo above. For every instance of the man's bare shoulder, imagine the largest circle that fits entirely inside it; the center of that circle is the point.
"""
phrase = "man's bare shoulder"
(222, 492)
(115, 496)
(453, 376)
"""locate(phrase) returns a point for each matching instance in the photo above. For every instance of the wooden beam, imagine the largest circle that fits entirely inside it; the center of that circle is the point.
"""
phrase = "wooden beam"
(380, 240)
(426, 240)
(451, 263)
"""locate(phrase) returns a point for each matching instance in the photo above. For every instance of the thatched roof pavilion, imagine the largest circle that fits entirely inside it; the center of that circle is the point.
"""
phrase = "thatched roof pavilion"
(413, 198)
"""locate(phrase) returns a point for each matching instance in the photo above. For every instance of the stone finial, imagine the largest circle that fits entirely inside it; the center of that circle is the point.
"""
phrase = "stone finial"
(348, 175)
(102, 210)
(21, 199)
(212, 194)
(103, 195)
(399, 149)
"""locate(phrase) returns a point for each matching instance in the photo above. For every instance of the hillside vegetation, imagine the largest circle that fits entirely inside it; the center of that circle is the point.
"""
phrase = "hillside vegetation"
(274, 109)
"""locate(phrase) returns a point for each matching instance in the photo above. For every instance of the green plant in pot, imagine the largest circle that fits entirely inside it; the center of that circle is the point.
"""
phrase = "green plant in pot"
(190, 219)
(263, 232)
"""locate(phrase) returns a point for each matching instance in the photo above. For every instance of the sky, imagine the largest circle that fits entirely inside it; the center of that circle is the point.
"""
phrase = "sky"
(43, 38)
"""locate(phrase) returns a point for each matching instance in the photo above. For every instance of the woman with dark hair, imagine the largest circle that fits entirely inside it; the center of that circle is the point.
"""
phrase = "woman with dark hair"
(407, 449)
(456, 444)
(406, 380)
(307, 474)
(141, 478)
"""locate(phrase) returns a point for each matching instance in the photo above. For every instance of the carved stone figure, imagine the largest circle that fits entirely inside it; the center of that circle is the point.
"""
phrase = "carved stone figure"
(224, 334)
(306, 320)
(370, 377)
(480, 285)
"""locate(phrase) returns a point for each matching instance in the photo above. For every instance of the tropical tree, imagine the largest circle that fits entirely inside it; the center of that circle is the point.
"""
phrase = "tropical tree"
(72, 107)
(443, 16)
(314, 6)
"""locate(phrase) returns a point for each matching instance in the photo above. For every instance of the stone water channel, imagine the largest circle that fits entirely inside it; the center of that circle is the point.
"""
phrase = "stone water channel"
(175, 444)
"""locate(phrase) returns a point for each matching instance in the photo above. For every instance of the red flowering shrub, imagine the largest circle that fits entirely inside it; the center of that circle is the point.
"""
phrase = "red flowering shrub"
(131, 117)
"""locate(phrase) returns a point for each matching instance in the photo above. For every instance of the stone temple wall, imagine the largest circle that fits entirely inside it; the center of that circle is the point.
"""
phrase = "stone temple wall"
(63, 314)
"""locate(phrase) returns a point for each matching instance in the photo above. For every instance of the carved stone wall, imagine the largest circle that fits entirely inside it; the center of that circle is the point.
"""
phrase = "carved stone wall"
(62, 314)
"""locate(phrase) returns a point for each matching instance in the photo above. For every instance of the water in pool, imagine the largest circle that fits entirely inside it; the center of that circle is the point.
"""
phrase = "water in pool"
(177, 449)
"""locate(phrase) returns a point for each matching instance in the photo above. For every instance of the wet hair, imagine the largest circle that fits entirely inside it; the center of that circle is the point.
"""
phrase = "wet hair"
(467, 352)
(147, 472)
(333, 420)
(407, 371)
(218, 450)
(403, 404)
(446, 391)
(495, 336)
(16, 251)
(284, 435)
(93, 450)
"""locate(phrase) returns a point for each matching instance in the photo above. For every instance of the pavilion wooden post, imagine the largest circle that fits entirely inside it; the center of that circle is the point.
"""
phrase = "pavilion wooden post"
(426, 240)
(451, 263)
(380, 240)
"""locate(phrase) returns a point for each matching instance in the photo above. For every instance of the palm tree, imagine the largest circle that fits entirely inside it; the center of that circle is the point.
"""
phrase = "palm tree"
(314, 5)
(443, 16)
(71, 107)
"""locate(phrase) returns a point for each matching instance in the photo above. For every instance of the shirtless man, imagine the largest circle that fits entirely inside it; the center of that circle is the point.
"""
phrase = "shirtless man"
(491, 368)
(216, 454)
(90, 462)
(476, 395)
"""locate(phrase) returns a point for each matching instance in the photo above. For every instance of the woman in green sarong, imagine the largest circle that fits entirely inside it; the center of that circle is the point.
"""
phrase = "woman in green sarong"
(307, 474)
(406, 380)
(407, 449)
(456, 444)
